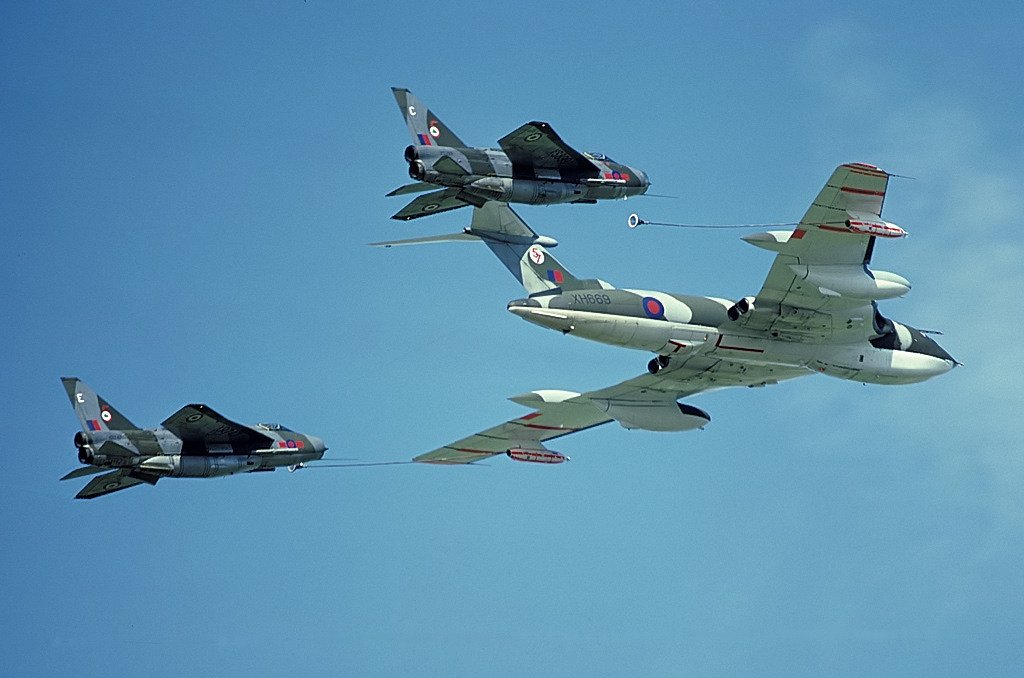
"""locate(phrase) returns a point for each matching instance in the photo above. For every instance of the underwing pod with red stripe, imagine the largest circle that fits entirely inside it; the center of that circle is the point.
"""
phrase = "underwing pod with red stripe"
(536, 456)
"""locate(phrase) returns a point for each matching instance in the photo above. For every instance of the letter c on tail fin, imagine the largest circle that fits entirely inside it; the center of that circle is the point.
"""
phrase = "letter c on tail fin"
(424, 126)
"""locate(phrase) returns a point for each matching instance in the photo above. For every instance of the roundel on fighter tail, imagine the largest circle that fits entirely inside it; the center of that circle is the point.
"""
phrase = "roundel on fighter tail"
(653, 308)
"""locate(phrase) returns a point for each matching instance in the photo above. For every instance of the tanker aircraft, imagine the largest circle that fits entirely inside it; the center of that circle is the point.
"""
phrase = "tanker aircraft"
(534, 166)
(816, 312)
(194, 442)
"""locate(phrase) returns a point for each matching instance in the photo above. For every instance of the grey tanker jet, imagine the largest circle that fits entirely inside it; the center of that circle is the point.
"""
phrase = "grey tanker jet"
(533, 166)
(816, 312)
(194, 442)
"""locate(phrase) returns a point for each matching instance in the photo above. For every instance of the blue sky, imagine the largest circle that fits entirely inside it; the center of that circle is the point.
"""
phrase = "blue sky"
(186, 194)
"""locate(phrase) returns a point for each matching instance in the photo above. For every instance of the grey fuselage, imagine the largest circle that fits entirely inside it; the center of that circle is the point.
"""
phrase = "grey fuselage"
(489, 174)
(677, 326)
(160, 453)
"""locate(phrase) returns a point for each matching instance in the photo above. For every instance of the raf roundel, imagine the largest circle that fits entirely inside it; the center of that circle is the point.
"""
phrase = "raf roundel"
(105, 415)
(433, 129)
(654, 308)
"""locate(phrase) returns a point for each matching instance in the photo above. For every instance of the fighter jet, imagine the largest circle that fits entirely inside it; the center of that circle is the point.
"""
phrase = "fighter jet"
(533, 166)
(194, 442)
(817, 312)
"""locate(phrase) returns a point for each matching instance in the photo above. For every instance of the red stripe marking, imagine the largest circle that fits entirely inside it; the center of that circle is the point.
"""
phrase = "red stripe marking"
(548, 428)
(677, 345)
(861, 191)
(797, 234)
(718, 344)
(837, 229)
(466, 449)
(877, 175)
(532, 415)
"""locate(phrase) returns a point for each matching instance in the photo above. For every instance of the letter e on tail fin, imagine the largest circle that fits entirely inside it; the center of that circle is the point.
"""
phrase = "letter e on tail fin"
(94, 413)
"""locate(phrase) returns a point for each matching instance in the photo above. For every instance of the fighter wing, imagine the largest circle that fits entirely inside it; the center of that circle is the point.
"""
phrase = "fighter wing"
(83, 471)
(105, 484)
(199, 423)
(431, 203)
(793, 303)
(559, 413)
(536, 145)
(417, 187)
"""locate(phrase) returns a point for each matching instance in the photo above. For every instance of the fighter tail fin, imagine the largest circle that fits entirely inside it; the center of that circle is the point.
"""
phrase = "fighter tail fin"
(94, 413)
(424, 126)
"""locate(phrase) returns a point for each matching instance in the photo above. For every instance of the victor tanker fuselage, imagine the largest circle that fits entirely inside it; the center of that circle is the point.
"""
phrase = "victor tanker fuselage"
(677, 326)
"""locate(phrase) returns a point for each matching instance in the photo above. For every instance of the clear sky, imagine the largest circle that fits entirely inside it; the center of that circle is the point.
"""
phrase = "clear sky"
(185, 196)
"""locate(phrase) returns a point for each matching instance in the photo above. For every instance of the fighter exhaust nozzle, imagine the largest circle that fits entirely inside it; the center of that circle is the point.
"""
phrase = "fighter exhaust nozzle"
(417, 170)
(88, 456)
(411, 154)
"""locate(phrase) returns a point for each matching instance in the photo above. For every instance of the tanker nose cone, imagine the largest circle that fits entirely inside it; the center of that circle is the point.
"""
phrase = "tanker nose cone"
(531, 310)
(523, 307)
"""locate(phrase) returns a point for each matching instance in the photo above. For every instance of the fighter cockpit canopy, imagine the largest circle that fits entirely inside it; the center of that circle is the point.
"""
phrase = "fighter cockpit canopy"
(273, 427)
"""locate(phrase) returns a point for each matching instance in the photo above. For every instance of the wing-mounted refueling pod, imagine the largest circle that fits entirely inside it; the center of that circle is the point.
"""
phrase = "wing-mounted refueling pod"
(864, 223)
(536, 455)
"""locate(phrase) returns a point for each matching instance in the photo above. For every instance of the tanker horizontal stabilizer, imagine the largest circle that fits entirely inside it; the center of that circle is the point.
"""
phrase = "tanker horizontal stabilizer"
(454, 237)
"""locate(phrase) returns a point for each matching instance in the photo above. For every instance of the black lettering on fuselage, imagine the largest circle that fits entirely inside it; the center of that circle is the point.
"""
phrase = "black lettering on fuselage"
(589, 299)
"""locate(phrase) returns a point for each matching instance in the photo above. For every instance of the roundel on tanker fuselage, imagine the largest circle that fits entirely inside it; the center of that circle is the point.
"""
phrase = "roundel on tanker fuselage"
(653, 308)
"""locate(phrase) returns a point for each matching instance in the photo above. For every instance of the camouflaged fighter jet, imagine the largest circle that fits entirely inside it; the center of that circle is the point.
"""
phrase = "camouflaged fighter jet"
(534, 166)
(817, 312)
(194, 442)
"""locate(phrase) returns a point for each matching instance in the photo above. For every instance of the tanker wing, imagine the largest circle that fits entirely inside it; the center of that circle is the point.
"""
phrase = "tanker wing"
(648, 402)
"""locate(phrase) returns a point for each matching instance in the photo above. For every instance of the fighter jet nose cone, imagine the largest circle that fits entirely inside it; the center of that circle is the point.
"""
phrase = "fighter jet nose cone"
(318, 444)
